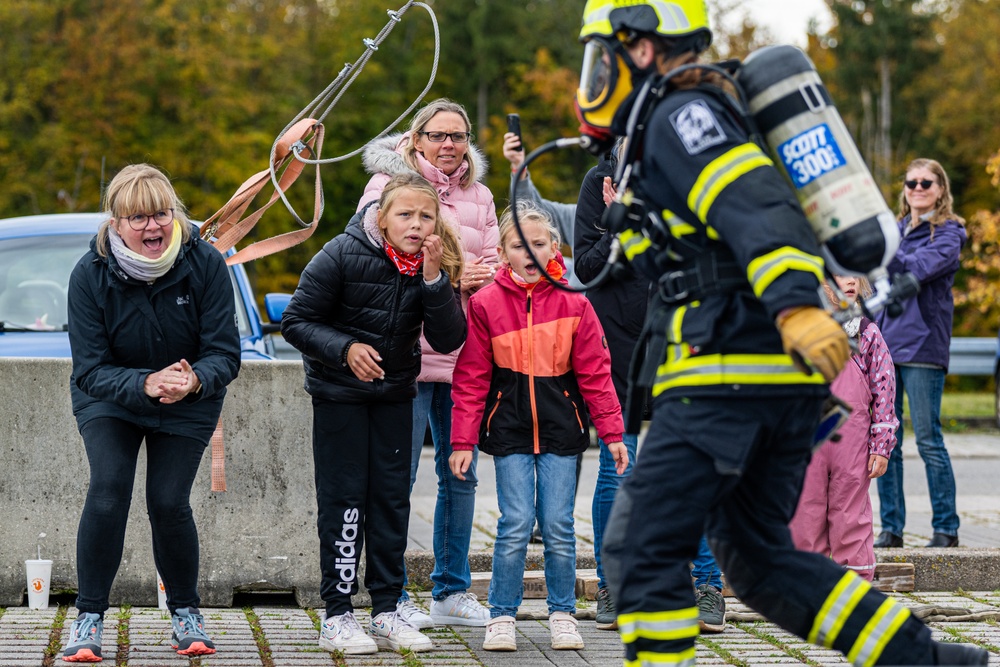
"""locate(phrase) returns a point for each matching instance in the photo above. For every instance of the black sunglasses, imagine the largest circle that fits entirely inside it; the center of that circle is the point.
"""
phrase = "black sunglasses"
(925, 184)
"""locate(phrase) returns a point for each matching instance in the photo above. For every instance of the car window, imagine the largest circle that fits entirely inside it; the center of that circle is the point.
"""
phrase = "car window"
(34, 277)
(242, 319)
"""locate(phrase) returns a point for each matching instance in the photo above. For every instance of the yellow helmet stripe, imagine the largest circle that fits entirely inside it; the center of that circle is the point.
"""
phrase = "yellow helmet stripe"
(660, 625)
(836, 609)
(684, 658)
(764, 270)
(722, 172)
(673, 18)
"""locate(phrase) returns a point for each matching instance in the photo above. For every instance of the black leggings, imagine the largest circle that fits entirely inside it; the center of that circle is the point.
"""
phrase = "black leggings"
(172, 463)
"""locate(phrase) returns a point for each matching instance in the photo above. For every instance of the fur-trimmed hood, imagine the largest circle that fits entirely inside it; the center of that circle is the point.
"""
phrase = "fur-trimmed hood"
(384, 156)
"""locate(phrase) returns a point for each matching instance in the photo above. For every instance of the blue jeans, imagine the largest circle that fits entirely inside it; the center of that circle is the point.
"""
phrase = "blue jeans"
(608, 481)
(923, 387)
(456, 500)
(704, 568)
(519, 478)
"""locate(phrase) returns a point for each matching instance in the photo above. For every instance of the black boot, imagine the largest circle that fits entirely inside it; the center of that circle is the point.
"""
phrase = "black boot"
(943, 540)
(887, 540)
(960, 654)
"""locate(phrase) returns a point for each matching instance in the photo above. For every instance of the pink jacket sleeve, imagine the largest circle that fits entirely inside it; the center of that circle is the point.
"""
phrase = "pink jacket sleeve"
(591, 363)
(471, 380)
(882, 382)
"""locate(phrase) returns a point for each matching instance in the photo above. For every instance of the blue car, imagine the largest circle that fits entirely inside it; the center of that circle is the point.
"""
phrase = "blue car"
(37, 255)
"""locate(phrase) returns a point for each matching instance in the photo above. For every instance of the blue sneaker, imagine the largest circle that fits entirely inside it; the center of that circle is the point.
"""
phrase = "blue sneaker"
(189, 633)
(84, 639)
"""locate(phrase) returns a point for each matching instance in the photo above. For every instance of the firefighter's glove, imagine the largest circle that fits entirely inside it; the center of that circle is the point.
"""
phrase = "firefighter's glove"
(814, 340)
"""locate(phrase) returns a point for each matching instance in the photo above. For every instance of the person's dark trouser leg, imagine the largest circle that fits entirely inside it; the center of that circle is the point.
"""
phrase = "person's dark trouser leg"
(388, 501)
(340, 459)
(172, 464)
(748, 532)
(112, 449)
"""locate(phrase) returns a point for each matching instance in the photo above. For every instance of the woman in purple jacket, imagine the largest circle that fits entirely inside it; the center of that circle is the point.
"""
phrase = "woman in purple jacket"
(933, 236)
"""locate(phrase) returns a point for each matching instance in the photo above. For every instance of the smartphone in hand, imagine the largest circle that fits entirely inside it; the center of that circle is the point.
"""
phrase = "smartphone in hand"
(514, 125)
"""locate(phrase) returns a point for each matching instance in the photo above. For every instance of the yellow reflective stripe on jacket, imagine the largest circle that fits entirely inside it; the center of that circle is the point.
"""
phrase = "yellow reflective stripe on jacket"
(720, 173)
(659, 625)
(764, 270)
(878, 631)
(713, 369)
(678, 227)
(633, 243)
(836, 609)
(649, 659)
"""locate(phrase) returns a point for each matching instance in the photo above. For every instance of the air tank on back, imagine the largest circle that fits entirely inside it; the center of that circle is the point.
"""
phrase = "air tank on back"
(794, 113)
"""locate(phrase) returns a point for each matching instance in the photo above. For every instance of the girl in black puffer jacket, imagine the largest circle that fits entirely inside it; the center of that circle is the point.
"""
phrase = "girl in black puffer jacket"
(356, 316)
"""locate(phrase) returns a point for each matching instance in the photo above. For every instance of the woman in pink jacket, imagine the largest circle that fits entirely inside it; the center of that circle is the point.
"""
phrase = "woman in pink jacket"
(439, 147)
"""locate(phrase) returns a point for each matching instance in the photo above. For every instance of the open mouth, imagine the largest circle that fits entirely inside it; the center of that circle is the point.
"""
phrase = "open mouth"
(154, 244)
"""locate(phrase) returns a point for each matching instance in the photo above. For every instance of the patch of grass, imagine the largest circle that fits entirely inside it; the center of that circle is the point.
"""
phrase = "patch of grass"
(124, 618)
(311, 613)
(966, 639)
(758, 631)
(717, 648)
(263, 647)
(962, 404)
(55, 637)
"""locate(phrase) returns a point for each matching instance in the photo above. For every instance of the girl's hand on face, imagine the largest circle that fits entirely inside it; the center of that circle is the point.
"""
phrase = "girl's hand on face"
(433, 249)
(476, 274)
(363, 360)
(459, 463)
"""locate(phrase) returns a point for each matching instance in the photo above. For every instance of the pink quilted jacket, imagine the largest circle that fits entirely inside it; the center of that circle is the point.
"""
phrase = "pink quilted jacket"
(470, 210)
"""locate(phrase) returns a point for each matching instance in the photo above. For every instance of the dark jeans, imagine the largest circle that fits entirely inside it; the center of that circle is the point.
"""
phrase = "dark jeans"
(172, 463)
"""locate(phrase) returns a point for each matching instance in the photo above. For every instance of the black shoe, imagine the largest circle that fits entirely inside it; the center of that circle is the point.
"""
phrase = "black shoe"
(959, 654)
(711, 609)
(943, 540)
(887, 540)
(536, 535)
(607, 616)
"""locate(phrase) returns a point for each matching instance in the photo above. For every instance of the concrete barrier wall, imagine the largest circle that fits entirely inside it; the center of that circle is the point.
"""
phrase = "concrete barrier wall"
(260, 534)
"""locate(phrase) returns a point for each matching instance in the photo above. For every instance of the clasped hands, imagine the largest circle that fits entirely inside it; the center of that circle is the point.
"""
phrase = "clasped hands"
(173, 383)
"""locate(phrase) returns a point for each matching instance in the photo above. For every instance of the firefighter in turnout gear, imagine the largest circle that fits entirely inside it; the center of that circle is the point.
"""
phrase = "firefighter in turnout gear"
(737, 352)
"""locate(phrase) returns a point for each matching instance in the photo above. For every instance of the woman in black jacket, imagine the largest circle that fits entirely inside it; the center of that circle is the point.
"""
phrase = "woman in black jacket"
(151, 329)
(356, 316)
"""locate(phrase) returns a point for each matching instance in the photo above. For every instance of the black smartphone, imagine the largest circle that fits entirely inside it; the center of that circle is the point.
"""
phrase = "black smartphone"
(514, 125)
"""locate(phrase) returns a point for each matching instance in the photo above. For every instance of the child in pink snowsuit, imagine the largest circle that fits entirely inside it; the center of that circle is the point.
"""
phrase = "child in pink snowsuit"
(834, 514)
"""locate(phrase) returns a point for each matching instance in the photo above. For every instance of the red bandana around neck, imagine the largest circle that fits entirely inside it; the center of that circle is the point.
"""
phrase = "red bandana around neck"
(407, 263)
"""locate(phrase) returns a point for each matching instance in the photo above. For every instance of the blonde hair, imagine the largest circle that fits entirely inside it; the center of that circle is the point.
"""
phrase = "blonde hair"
(526, 212)
(139, 188)
(420, 122)
(452, 260)
(943, 206)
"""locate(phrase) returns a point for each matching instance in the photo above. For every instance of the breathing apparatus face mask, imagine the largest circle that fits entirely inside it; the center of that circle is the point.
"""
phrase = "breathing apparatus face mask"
(606, 79)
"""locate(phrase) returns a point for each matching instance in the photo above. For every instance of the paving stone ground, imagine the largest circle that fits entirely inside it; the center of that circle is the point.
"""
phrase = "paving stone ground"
(287, 637)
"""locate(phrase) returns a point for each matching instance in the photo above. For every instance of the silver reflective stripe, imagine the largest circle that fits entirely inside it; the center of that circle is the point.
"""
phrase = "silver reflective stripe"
(879, 634)
(660, 629)
(841, 608)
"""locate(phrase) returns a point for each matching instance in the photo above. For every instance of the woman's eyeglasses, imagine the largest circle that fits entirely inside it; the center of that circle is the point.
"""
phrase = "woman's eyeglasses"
(439, 137)
(925, 184)
(138, 221)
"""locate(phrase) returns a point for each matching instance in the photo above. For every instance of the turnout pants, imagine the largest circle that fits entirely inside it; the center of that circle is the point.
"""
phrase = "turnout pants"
(362, 458)
(733, 467)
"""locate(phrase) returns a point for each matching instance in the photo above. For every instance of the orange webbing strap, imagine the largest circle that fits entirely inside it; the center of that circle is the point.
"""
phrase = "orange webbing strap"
(218, 459)
(226, 224)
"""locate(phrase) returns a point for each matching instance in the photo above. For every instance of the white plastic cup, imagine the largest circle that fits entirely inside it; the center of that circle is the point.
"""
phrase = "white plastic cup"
(161, 592)
(39, 579)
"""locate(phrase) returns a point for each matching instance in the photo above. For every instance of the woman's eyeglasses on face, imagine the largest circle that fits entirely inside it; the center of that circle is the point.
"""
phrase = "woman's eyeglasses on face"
(439, 137)
(925, 184)
(138, 221)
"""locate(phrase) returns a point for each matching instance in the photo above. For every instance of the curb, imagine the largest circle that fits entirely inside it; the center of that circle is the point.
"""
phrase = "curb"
(934, 569)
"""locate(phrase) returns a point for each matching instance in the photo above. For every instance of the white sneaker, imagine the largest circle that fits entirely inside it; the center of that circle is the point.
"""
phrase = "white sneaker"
(393, 632)
(460, 609)
(500, 634)
(343, 633)
(564, 633)
(414, 615)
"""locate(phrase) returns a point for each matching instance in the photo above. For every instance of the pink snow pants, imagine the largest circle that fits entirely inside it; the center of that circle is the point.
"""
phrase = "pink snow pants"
(834, 514)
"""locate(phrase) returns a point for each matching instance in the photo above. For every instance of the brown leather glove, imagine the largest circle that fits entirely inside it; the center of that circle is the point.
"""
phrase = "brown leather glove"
(814, 340)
